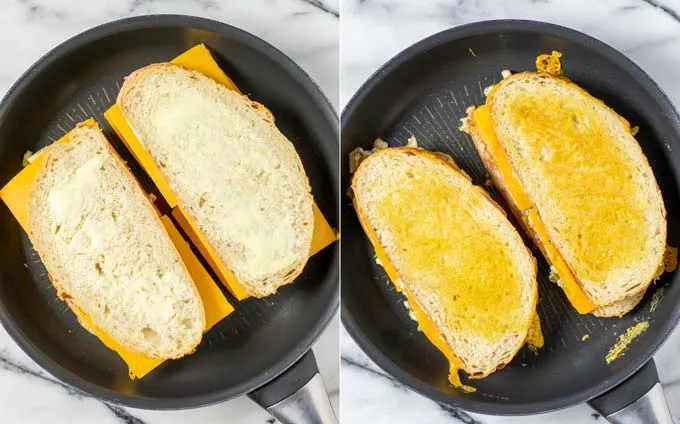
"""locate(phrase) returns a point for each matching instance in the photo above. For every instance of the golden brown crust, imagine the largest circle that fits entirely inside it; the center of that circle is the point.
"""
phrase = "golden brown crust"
(451, 164)
(613, 309)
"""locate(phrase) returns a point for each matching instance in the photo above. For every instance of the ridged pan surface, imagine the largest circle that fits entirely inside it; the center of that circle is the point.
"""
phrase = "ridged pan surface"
(81, 79)
(424, 92)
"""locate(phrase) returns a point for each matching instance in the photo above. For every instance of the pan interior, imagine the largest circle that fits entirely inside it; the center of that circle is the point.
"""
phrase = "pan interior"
(263, 336)
(424, 94)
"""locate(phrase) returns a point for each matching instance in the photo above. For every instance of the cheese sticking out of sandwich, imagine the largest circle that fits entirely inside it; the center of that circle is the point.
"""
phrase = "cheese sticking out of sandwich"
(17, 194)
(572, 171)
(467, 275)
(227, 249)
(529, 217)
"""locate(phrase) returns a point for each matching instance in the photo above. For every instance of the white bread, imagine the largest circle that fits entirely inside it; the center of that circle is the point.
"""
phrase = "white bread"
(106, 250)
(454, 250)
(588, 180)
(235, 174)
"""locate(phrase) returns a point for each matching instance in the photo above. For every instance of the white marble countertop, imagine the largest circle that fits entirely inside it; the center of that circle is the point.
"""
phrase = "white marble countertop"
(30, 28)
(373, 31)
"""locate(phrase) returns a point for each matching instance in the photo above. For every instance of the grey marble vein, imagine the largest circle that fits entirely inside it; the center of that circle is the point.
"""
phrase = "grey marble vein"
(451, 411)
(135, 5)
(120, 413)
(8, 365)
(667, 10)
(123, 415)
(459, 414)
(323, 7)
(36, 10)
(347, 361)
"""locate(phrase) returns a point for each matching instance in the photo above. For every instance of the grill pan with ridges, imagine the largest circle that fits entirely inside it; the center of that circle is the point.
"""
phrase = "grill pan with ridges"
(263, 337)
(424, 91)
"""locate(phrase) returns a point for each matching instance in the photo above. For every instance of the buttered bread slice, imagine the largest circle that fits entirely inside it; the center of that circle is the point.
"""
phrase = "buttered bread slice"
(235, 175)
(462, 265)
(106, 251)
(572, 170)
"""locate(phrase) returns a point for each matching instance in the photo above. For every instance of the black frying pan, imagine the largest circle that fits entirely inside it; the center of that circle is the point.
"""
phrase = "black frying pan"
(263, 337)
(424, 91)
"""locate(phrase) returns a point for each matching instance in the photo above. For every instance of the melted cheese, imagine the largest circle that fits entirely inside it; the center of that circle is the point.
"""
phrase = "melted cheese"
(534, 338)
(426, 325)
(16, 193)
(549, 63)
(199, 58)
(573, 291)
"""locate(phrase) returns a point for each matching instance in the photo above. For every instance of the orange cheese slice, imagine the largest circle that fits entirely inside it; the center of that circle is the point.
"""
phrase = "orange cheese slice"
(15, 194)
(226, 277)
(572, 289)
(200, 59)
(426, 325)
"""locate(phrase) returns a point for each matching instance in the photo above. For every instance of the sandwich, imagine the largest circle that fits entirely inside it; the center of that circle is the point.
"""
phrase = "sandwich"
(106, 250)
(232, 174)
(571, 170)
(468, 278)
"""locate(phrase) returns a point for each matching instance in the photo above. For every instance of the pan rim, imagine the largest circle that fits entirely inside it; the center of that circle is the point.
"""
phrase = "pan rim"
(452, 35)
(325, 110)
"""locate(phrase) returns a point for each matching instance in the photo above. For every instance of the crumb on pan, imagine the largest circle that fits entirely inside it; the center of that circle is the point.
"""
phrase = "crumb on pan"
(411, 314)
(549, 63)
(625, 340)
(656, 298)
(27, 158)
(379, 144)
(357, 155)
(412, 142)
(505, 73)
(464, 124)
(468, 389)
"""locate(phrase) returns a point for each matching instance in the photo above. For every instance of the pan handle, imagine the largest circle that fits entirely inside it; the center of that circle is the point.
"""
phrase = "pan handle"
(638, 400)
(297, 396)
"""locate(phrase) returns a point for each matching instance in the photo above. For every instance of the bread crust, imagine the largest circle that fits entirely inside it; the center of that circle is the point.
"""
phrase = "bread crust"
(451, 164)
(284, 276)
(134, 184)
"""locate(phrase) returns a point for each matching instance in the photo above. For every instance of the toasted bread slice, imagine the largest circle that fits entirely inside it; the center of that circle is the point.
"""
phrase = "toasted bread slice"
(457, 256)
(238, 178)
(584, 178)
(107, 252)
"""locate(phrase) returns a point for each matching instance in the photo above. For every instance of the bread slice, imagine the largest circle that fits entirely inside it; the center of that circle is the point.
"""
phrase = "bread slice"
(456, 254)
(586, 177)
(233, 172)
(107, 252)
